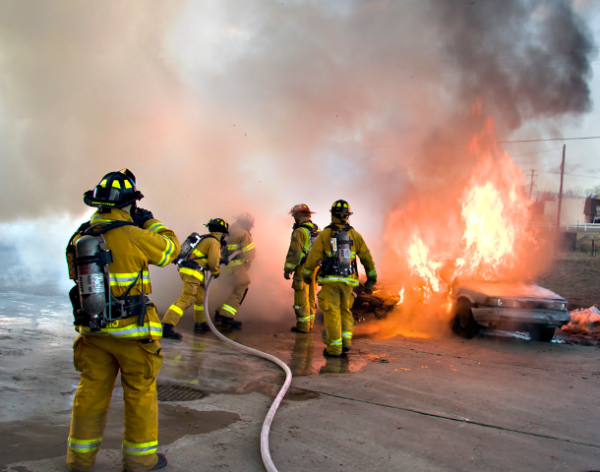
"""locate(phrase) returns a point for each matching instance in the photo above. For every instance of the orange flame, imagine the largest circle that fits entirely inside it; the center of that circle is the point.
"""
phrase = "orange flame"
(420, 264)
(401, 293)
(484, 234)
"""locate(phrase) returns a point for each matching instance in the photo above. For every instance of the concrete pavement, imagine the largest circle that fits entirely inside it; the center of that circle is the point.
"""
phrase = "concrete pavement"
(494, 403)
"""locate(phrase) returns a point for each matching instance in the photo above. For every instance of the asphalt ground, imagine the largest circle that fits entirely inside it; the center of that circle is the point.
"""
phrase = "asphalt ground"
(498, 402)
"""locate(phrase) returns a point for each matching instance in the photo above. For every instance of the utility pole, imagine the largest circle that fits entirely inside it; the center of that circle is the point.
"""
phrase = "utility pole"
(560, 193)
(531, 183)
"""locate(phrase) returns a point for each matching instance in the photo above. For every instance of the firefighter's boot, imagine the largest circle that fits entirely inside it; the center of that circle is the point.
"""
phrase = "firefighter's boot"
(170, 333)
(330, 356)
(201, 327)
(228, 322)
(161, 464)
(296, 330)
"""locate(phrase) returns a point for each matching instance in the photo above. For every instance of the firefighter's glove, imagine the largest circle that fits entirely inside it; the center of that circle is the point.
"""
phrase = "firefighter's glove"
(370, 283)
(286, 274)
(141, 216)
(224, 261)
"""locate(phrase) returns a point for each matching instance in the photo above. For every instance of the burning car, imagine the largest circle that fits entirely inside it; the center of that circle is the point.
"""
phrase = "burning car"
(510, 306)
(457, 248)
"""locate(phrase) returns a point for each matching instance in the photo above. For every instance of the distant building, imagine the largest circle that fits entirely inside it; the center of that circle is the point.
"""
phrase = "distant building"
(571, 212)
(591, 210)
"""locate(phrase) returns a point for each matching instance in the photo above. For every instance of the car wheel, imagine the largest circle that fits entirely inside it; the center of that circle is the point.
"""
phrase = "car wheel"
(464, 323)
(541, 333)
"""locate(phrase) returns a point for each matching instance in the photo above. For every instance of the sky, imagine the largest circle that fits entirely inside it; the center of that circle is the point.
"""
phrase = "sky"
(226, 107)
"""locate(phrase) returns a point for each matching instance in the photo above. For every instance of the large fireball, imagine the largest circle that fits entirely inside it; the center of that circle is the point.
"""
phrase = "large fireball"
(478, 229)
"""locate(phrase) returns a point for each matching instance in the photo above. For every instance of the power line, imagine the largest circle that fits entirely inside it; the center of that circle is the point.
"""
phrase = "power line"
(571, 175)
(584, 176)
(548, 139)
(533, 153)
(541, 140)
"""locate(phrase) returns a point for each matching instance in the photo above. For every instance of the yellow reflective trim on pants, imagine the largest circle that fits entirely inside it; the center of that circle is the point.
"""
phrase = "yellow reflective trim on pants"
(347, 334)
(84, 445)
(230, 309)
(139, 449)
(335, 342)
(194, 273)
(132, 331)
(372, 273)
(167, 253)
(333, 278)
(176, 309)
(199, 307)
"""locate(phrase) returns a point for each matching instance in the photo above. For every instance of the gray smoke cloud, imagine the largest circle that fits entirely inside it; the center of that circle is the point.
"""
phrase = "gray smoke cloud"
(224, 107)
(526, 59)
(84, 86)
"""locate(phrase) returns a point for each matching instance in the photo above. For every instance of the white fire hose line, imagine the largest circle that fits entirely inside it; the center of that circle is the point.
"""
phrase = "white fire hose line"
(266, 427)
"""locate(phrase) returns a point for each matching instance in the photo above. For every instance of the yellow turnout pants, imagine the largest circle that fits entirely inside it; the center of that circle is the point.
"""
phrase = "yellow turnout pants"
(305, 305)
(192, 294)
(336, 299)
(301, 361)
(99, 359)
(238, 276)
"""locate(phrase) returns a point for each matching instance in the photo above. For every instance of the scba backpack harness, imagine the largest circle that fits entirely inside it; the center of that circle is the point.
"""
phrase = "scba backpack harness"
(187, 248)
(341, 263)
(88, 259)
(312, 233)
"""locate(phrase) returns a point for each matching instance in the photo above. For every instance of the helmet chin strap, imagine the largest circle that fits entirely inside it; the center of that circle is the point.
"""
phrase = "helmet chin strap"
(132, 209)
(342, 218)
(219, 235)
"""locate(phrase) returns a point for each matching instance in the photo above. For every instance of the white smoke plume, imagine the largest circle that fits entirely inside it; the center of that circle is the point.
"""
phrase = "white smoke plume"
(225, 107)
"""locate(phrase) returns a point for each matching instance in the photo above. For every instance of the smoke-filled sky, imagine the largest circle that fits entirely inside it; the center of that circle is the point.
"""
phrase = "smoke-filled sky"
(225, 107)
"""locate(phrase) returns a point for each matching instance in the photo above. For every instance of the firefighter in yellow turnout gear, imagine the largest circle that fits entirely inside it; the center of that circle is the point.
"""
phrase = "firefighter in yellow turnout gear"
(337, 247)
(304, 231)
(128, 342)
(205, 256)
(240, 241)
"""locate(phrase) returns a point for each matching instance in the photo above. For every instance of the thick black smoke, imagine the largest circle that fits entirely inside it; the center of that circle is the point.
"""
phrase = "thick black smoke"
(527, 59)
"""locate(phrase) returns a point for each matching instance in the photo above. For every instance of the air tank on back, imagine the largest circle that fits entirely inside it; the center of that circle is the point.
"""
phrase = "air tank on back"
(344, 261)
(91, 283)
